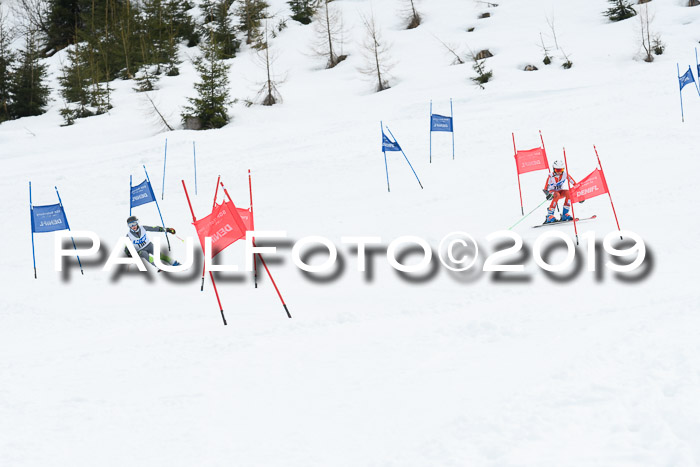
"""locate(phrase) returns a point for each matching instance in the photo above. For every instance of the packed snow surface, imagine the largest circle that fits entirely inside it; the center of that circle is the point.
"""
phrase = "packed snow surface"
(374, 369)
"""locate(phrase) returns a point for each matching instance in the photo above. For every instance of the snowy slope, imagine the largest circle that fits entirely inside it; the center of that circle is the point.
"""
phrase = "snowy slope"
(461, 369)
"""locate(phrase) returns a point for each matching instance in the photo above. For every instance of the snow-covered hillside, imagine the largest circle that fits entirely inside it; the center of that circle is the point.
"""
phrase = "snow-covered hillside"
(468, 369)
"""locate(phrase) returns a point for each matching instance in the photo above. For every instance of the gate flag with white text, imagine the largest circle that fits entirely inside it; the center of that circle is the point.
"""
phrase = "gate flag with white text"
(593, 185)
(224, 225)
(441, 123)
(529, 160)
(142, 194)
(48, 218)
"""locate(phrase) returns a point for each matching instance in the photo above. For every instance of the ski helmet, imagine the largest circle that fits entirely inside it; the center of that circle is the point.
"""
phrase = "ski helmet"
(558, 166)
(133, 222)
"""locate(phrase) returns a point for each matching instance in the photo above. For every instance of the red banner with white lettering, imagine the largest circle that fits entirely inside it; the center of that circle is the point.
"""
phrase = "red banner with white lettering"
(225, 225)
(531, 160)
(590, 187)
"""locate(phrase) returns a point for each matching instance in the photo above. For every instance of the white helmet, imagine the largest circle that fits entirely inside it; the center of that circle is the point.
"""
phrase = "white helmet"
(558, 165)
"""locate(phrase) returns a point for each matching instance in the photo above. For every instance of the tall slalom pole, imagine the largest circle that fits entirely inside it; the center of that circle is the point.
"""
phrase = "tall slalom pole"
(404, 156)
(431, 131)
(568, 182)
(697, 66)
(607, 188)
(211, 275)
(252, 227)
(274, 284)
(162, 195)
(194, 156)
(452, 120)
(31, 218)
(204, 266)
(522, 209)
(680, 91)
(543, 148)
(68, 225)
(386, 168)
(131, 185)
(159, 213)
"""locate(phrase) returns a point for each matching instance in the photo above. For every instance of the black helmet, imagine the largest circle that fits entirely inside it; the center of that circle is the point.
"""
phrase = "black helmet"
(133, 222)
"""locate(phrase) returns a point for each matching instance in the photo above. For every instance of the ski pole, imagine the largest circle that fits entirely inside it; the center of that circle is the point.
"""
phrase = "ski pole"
(523, 218)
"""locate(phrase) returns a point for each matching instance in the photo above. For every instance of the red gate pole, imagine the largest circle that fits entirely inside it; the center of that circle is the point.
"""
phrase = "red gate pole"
(252, 227)
(194, 219)
(261, 259)
(568, 182)
(515, 151)
(204, 266)
(607, 189)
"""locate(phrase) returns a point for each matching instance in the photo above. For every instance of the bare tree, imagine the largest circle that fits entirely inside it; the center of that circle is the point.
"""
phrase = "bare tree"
(550, 23)
(567, 61)
(413, 17)
(155, 113)
(645, 33)
(268, 94)
(452, 50)
(329, 32)
(545, 50)
(376, 52)
(33, 14)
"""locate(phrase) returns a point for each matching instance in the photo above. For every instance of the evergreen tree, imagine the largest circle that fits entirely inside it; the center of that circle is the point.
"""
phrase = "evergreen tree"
(63, 21)
(84, 93)
(217, 24)
(7, 60)
(181, 24)
(28, 88)
(251, 13)
(621, 9)
(302, 10)
(210, 105)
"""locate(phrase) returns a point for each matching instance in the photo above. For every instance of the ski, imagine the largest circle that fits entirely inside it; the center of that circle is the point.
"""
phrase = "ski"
(565, 222)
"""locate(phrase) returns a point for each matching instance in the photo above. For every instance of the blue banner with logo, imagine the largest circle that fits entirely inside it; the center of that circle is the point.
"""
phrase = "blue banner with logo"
(687, 78)
(48, 218)
(142, 194)
(440, 123)
(388, 145)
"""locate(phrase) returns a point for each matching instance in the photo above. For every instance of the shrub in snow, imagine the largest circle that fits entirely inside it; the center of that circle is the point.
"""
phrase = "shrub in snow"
(621, 9)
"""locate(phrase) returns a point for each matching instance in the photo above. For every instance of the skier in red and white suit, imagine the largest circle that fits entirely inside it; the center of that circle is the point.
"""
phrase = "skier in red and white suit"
(557, 188)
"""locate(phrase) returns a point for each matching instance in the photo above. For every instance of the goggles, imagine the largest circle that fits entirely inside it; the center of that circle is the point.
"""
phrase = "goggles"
(133, 224)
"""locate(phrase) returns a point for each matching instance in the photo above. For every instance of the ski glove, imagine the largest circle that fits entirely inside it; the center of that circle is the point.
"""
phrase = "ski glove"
(547, 194)
(170, 230)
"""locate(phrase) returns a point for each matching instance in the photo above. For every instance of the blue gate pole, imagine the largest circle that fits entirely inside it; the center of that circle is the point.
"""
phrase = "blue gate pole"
(130, 186)
(452, 121)
(404, 156)
(381, 124)
(156, 201)
(697, 85)
(31, 218)
(162, 194)
(680, 91)
(431, 131)
(68, 225)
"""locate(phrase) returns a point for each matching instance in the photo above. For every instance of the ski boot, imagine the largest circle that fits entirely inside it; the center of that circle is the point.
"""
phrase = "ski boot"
(565, 216)
(550, 216)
